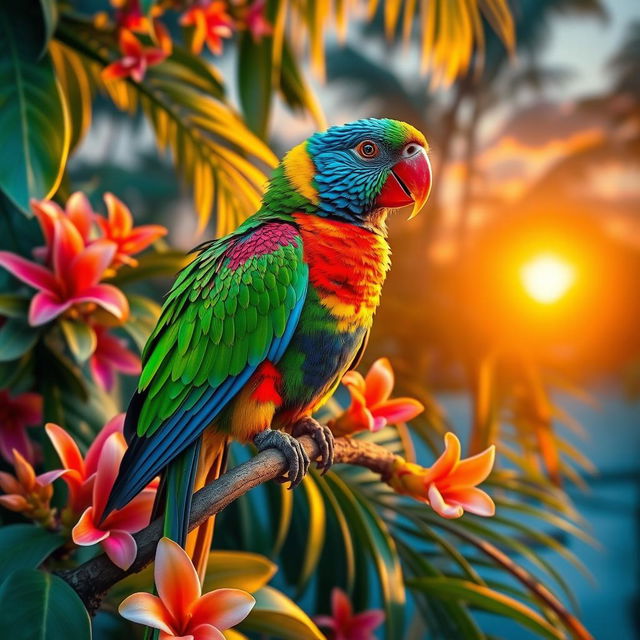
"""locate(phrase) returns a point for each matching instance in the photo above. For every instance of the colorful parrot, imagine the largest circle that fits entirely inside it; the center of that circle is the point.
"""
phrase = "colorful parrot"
(258, 330)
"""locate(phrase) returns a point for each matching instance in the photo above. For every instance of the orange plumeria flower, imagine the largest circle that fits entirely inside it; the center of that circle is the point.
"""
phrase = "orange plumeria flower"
(118, 228)
(79, 473)
(211, 23)
(27, 493)
(136, 59)
(180, 610)
(114, 533)
(448, 486)
(371, 407)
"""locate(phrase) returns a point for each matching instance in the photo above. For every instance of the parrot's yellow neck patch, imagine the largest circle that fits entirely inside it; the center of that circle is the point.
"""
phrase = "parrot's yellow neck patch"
(299, 170)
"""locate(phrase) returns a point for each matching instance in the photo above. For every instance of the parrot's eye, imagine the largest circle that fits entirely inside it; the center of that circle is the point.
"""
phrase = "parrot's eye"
(367, 149)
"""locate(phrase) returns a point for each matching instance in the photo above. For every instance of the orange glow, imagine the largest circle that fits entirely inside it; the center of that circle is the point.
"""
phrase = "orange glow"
(547, 277)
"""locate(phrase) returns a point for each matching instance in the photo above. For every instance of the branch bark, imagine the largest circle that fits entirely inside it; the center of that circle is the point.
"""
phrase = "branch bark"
(96, 576)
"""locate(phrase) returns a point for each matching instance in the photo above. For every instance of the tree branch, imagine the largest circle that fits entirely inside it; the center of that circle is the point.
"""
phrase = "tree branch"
(93, 578)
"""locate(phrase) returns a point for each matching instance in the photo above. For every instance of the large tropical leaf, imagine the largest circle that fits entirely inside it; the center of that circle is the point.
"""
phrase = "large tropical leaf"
(33, 114)
(35, 604)
(25, 546)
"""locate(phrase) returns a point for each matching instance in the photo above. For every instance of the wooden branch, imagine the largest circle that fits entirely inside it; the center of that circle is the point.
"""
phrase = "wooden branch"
(93, 578)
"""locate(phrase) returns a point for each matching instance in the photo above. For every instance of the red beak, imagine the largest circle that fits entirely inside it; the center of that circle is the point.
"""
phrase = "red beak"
(409, 182)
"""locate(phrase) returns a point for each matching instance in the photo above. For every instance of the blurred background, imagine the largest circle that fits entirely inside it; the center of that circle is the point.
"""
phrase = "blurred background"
(517, 287)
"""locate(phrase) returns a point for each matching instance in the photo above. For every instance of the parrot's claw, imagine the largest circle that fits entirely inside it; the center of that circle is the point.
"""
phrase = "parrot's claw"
(297, 458)
(323, 437)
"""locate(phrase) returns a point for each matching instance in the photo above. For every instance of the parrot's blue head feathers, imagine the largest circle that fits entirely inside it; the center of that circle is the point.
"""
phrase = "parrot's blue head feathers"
(356, 172)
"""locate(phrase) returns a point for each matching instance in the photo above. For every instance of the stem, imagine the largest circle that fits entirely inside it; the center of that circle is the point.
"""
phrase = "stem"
(93, 578)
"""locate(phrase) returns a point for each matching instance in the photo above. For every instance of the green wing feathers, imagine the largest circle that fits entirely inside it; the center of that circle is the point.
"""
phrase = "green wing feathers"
(223, 313)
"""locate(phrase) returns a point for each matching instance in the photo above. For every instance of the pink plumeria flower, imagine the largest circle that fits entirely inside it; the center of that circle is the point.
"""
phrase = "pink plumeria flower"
(114, 534)
(73, 277)
(180, 610)
(135, 59)
(211, 23)
(344, 624)
(27, 493)
(79, 472)
(372, 407)
(118, 227)
(110, 356)
(448, 486)
(17, 413)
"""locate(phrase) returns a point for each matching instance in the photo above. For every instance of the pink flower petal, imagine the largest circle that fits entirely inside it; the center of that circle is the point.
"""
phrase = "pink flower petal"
(67, 244)
(108, 466)
(115, 425)
(133, 516)
(176, 579)
(107, 296)
(116, 70)
(473, 500)
(206, 632)
(102, 372)
(45, 307)
(121, 548)
(367, 621)
(397, 410)
(146, 609)
(114, 351)
(438, 504)
(66, 448)
(325, 621)
(49, 477)
(222, 608)
(85, 533)
(89, 265)
(379, 382)
(33, 274)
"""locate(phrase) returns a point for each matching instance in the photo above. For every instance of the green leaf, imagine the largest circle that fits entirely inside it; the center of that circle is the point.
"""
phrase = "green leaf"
(81, 339)
(151, 265)
(33, 118)
(486, 599)
(147, 5)
(16, 338)
(13, 305)
(25, 546)
(238, 570)
(36, 605)
(49, 12)
(277, 616)
(254, 82)
(316, 531)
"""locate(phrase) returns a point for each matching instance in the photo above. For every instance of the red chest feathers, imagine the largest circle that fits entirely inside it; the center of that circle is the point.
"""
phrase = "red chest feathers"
(347, 268)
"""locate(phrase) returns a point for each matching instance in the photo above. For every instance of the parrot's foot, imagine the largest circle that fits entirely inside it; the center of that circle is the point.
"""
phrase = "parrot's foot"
(297, 458)
(323, 437)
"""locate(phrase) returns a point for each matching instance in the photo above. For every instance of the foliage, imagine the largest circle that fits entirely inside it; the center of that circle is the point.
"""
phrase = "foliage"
(71, 342)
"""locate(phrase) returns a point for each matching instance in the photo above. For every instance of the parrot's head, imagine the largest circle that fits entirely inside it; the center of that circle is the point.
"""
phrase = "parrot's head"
(356, 172)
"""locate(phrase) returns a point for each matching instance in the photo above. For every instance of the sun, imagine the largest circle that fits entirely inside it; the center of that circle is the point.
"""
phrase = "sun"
(547, 277)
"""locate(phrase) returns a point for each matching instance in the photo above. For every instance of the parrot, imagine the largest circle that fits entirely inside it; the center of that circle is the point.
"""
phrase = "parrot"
(259, 328)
